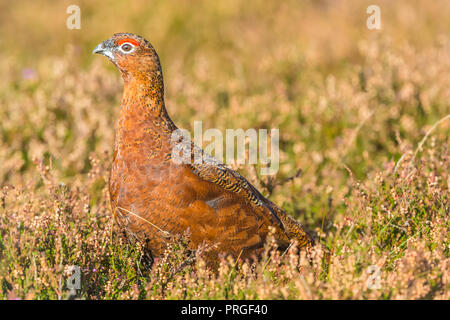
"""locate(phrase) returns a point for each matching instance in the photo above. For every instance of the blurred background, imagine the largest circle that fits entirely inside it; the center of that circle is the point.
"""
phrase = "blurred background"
(363, 122)
(340, 94)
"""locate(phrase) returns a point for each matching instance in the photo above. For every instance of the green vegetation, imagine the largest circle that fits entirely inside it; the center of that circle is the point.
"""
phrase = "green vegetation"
(363, 113)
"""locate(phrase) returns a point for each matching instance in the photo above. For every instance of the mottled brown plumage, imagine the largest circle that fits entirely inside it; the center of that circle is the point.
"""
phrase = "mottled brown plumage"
(154, 198)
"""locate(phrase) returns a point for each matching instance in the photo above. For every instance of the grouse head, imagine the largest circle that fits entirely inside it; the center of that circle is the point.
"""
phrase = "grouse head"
(133, 55)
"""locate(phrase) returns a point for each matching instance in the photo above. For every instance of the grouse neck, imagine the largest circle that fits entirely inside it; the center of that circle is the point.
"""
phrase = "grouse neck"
(143, 105)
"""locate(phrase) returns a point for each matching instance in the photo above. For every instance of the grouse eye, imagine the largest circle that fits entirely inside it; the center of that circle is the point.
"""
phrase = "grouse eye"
(126, 47)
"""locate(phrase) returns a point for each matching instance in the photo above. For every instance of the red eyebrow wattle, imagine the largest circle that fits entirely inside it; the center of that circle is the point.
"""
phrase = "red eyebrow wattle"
(132, 41)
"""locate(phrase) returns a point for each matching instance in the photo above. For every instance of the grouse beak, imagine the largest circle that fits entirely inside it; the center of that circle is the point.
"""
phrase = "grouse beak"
(104, 50)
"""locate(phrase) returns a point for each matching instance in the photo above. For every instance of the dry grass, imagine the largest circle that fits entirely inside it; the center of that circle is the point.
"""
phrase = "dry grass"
(355, 109)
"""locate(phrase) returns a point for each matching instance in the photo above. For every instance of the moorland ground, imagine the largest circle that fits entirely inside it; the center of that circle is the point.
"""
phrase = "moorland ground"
(364, 131)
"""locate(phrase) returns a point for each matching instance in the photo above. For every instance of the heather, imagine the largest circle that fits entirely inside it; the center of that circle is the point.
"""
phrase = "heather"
(364, 130)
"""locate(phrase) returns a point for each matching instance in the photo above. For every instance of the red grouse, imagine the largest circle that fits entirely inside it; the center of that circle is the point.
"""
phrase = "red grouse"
(154, 197)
